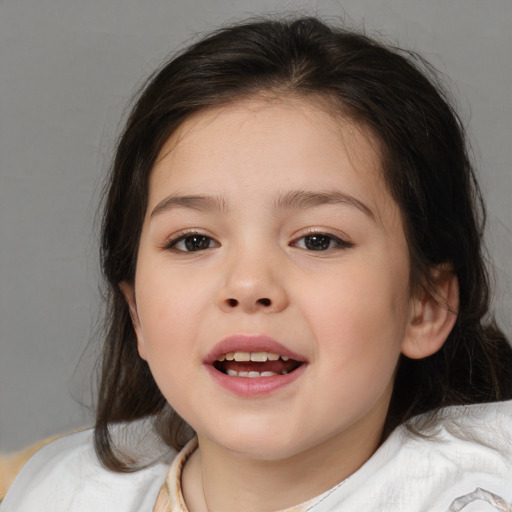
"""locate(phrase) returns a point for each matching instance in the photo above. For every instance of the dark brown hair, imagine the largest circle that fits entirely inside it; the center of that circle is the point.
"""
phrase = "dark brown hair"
(427, 170)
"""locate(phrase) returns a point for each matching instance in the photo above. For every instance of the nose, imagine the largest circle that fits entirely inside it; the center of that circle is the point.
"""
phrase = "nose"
(252, 284)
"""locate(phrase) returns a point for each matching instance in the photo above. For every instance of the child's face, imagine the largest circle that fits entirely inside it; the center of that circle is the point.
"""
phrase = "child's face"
(270, 229)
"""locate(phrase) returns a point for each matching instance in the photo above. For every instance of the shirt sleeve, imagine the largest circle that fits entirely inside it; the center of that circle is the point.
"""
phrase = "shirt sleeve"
(66, 476)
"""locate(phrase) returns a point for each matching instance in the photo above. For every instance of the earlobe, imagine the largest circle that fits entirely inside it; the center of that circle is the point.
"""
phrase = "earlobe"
(433, 315)
(128, 291)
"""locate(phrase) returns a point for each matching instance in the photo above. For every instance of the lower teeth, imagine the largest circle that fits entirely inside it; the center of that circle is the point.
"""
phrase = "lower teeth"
(253, 375)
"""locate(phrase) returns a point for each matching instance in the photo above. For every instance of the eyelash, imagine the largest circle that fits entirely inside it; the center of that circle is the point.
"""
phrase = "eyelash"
(339, 243)
(182, 237)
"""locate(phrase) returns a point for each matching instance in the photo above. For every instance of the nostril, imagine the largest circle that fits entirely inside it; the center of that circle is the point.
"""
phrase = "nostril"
(264, 302)
(232, 303)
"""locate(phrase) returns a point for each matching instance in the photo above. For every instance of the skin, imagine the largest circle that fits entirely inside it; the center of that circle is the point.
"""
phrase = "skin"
(346, 310)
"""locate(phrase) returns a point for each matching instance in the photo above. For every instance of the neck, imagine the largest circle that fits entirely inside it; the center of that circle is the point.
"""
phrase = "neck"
(215, 479)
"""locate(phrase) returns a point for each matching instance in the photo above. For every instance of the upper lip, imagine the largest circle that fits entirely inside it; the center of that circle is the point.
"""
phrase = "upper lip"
(250, 343)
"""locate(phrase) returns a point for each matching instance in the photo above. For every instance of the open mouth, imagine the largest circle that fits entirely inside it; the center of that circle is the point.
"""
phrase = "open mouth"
(255, 364)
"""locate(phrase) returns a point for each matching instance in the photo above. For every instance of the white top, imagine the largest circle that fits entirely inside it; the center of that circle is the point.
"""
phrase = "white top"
(466, 466)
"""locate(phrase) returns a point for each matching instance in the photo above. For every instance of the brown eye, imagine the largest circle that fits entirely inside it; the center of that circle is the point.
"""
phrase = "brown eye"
(318, 242)
(321, 242)
(192, 243)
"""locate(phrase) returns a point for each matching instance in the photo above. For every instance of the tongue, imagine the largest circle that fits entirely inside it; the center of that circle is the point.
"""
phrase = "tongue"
(252, 366)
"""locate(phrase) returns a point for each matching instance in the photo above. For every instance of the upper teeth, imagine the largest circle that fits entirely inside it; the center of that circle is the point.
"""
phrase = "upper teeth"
(260, 357)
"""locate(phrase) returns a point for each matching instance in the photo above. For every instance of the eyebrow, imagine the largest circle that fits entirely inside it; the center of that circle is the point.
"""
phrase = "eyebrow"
(198, 202)
(302, 199)
(293, 200)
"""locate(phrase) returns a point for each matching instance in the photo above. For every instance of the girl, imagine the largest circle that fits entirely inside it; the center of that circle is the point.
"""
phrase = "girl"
(298, 312)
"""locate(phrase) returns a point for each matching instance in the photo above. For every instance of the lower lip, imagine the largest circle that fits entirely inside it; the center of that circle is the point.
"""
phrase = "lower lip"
(255, 386)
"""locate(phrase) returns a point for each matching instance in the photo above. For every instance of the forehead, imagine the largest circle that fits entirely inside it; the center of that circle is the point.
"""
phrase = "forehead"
(271, 142)
(301, 116)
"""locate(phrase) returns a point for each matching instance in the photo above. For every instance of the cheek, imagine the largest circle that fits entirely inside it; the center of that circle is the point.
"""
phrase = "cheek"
(362, 316)
(169, 308)
(168, 328)
(172, 289)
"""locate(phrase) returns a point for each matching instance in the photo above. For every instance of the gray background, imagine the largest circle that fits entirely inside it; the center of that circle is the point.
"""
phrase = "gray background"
(67, 69)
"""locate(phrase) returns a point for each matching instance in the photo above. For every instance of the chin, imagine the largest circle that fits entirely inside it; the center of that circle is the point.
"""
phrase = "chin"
(259, 441)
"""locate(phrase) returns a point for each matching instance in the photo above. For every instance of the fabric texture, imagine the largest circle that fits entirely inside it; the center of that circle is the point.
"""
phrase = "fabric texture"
(10, 464)
(464, 464)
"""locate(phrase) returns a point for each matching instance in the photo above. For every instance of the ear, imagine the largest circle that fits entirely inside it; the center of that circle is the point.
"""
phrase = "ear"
(433, 315)
(129, 294)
